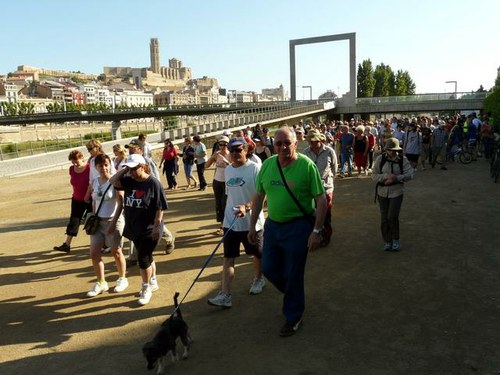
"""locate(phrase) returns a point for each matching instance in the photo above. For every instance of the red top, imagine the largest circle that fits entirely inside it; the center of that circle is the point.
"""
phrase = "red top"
(79, 182)
(371, 141)
(169, 153)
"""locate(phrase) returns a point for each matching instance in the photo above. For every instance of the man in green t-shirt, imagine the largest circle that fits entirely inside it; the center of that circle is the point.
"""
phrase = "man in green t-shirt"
(290, 231)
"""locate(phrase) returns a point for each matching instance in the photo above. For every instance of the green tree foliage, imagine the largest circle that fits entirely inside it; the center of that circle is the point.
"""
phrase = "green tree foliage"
(385, 80)
(481, 89)
(366, 80)
(492, 104)
(382, 81)
(404, 84)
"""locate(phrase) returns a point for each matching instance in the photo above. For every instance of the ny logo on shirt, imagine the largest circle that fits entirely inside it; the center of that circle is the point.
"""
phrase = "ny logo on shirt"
(135, 199)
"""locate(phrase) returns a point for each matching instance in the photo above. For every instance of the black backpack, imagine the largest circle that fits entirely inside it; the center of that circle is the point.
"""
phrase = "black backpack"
(384, 160)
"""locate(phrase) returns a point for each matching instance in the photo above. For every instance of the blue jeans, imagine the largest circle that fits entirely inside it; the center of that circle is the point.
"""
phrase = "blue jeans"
(345, 157)
(284, 258)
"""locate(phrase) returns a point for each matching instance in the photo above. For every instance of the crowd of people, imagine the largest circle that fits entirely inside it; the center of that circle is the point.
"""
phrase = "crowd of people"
(291, 174)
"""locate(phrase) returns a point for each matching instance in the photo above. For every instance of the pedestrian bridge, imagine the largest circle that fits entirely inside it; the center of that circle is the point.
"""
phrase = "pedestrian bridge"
(453, 102)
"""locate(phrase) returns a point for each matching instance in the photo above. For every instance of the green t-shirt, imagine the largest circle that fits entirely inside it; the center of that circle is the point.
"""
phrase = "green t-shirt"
(302, 178)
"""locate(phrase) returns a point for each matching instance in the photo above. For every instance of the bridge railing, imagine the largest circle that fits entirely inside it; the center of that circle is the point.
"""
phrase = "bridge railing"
(422, 98)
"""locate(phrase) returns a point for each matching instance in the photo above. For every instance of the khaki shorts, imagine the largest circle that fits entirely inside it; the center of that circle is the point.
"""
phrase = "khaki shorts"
(111, 240)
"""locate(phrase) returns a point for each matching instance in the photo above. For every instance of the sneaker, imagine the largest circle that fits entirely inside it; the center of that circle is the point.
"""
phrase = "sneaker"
(64, 248)
(98, 289)
(121, 284)
(221, 299)
(289, 329)
(387, 246)
(396, 246)
(341, 176)
(105, 250)
(257, 285)
(145, 295)
(350, 174)
(170, 246)
(153, 283)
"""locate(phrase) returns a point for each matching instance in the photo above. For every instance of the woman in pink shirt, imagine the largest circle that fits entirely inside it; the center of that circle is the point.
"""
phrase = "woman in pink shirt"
(79, 178)
(170, 164)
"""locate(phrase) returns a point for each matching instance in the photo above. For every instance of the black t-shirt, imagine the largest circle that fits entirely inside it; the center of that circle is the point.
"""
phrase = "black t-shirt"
(426, 135)
(141, 201)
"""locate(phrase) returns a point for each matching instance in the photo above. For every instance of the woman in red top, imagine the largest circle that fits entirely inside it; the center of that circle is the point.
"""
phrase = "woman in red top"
(79, 179)
(170, 165)
(360, 149)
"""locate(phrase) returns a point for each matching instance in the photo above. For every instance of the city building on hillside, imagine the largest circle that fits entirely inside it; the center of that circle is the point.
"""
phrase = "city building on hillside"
(276, 94)
(172, 77)
(8, 92)
(54, 73)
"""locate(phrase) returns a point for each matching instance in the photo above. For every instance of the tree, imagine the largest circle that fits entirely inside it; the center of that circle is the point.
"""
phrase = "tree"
(366, 80)
(481, 89)
(404, 84)
(385, 80)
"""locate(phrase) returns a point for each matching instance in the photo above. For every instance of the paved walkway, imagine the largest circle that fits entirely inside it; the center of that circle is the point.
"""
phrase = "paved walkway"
(433, 308)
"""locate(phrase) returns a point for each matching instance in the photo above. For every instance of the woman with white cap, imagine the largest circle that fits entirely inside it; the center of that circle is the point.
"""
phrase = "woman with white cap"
(390, 171)
(144, 203)
(221, 160)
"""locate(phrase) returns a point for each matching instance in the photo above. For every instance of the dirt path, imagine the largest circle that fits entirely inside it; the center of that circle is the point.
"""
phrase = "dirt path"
(433, 308)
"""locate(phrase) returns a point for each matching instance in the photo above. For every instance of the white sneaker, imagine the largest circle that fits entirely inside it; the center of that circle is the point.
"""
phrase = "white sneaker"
(121, 284)
(153, 283)
(145, 295)
(257, 285)
(221, 299)
(98, 289)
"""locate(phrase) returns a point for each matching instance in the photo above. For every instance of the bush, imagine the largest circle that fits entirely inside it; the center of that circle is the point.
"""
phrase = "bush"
(492, 104)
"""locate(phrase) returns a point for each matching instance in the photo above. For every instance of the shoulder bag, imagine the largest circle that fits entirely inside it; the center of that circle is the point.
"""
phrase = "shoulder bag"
(92, 220)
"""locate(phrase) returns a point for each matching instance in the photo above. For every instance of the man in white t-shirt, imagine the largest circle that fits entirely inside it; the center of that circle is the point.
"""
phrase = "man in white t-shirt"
(240, 175)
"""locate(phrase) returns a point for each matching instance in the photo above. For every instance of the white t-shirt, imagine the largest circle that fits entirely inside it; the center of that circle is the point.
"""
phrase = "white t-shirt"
(240, 189)
(110, 203)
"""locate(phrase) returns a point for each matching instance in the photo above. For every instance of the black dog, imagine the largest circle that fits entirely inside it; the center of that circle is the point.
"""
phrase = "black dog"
(165, 340)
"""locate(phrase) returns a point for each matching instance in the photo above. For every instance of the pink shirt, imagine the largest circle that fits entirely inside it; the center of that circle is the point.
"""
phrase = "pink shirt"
(79, 182)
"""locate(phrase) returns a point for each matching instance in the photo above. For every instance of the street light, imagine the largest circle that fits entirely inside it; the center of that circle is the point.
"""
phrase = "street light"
(310, 91)
(455, 82)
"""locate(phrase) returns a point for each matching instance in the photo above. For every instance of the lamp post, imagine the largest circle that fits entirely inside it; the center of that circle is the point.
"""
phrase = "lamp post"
(310, 91)
(455, 82)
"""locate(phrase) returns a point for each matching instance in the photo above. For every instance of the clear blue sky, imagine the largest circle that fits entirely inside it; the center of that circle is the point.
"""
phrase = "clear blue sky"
(244, 43)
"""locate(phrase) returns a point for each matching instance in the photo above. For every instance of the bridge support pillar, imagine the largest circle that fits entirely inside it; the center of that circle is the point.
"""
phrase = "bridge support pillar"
(116, 131)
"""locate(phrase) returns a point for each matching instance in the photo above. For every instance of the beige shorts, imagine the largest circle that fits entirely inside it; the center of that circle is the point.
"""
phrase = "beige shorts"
(113, 239)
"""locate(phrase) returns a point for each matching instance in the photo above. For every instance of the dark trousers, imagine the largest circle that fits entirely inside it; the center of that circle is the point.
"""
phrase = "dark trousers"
(170, 171)
(145, 247)
(220, 199)
(328, 218)
(78, 209)
(389, 215)
(284, 258)
(200, 170)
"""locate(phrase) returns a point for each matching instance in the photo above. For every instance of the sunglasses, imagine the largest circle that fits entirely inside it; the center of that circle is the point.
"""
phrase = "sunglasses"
(90, 149)
(279, 143)
(236, 150)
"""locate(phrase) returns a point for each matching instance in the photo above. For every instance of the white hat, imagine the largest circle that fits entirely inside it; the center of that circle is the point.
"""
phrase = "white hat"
(227, 133)
(223, 138)
(134, 160)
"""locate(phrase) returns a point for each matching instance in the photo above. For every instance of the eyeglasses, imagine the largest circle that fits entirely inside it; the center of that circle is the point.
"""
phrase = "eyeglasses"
(236, 150)
(90, 148)
(279, 143)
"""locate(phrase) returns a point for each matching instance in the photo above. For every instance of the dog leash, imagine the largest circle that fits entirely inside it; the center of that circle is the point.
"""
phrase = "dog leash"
(206, 262)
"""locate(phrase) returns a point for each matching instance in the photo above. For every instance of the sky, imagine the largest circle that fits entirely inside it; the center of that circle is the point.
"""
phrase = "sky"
(244, 44)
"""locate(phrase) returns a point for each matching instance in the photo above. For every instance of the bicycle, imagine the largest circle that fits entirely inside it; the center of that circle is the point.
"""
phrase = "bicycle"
(464, 156)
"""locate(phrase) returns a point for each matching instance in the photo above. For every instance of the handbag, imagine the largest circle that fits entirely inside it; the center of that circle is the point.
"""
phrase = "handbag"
(92, 219)
(308, 216)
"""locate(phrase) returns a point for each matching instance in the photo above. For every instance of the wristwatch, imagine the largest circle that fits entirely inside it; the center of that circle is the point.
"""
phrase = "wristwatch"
(317, 231)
